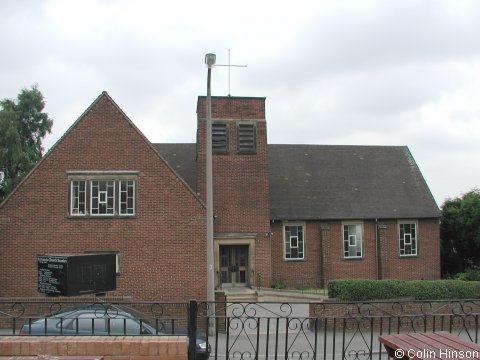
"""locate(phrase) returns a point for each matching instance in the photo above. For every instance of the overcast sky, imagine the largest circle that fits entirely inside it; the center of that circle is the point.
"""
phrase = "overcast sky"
(380, 72)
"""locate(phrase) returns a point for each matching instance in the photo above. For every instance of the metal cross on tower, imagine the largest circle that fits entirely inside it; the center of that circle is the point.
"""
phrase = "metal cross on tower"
(229, 65)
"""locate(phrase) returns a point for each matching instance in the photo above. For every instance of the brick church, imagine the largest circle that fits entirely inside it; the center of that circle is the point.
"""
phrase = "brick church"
(296, 214)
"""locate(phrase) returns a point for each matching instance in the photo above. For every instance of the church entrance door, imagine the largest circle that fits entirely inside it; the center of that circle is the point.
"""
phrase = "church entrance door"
(234, 265)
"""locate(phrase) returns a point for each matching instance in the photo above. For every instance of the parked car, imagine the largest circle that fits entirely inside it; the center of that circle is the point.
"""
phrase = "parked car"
(104, 320)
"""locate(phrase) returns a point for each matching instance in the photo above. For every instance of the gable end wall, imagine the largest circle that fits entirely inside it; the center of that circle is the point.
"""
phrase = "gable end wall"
(169, 225)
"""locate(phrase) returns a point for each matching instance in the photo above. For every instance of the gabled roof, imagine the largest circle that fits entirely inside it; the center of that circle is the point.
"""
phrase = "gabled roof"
(329, 182)
(103, 95)
(347, 182)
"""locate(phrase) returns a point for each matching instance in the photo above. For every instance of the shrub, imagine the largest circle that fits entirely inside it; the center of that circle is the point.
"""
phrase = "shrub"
(470, 274)
(278, 284)
(364, 290)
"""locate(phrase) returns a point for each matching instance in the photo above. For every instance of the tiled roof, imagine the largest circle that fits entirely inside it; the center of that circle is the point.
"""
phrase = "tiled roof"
(347, 182)
(182, 158)
(332, 182)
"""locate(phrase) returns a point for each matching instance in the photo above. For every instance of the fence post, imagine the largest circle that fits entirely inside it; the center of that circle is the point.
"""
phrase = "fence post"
(192, 329)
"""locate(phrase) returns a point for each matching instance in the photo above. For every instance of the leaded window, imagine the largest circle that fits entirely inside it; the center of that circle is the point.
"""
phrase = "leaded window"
(127, 197)
(102, 195)
(408, 239)
(79, 197)
(294, 242)
(352, 240)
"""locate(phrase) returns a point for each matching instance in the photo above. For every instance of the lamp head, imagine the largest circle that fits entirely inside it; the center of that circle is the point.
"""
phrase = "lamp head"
(210, 59)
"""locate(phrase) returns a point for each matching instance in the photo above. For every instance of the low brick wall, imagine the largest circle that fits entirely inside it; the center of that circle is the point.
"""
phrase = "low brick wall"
(110, 347)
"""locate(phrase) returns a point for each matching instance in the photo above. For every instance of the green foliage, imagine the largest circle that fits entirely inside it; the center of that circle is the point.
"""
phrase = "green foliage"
(460, 233)
(278, 284)
(23, 125)
(470, 274)
(366, 290)
(356, 290)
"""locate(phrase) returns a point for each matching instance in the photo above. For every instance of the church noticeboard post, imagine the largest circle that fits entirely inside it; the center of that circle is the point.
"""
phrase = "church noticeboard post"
(71, 275)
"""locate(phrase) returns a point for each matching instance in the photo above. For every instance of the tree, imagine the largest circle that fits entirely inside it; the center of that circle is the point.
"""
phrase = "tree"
(460, 233)
(23, 126)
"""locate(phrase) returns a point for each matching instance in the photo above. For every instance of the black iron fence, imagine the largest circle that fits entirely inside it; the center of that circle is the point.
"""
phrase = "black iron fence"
(328, 330)
(249, 331)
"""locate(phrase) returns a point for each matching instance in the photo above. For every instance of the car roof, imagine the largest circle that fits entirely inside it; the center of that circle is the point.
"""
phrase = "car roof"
(98, 309)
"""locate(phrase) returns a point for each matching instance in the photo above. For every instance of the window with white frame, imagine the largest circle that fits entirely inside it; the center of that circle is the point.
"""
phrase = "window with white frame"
(102, 196)
(78, 197)
(294, 242)
(127, 197)
(408, 238)
(352, 241)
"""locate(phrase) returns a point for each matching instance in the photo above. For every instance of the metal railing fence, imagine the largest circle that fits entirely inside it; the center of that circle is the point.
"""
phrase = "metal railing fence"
(250, 331)
(328, 330)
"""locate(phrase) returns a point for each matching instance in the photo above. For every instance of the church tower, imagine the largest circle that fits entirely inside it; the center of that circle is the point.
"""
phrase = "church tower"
(240, 188)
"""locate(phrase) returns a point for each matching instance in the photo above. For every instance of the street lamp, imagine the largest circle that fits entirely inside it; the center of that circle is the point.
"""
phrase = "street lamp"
(210, 62)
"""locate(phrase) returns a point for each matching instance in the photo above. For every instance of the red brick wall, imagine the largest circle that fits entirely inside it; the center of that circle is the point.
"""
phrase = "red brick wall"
(425, 266)
(110, 347)
(160, 248)
(340, 268)
(323, 245)
(264, 259)
(294, 273)
(235, 108)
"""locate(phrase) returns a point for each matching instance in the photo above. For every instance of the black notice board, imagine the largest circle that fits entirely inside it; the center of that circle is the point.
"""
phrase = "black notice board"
(71, 275)
(52, 274)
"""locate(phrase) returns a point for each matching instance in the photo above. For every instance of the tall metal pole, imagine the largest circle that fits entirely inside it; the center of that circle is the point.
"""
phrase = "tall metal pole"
(210, 61)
